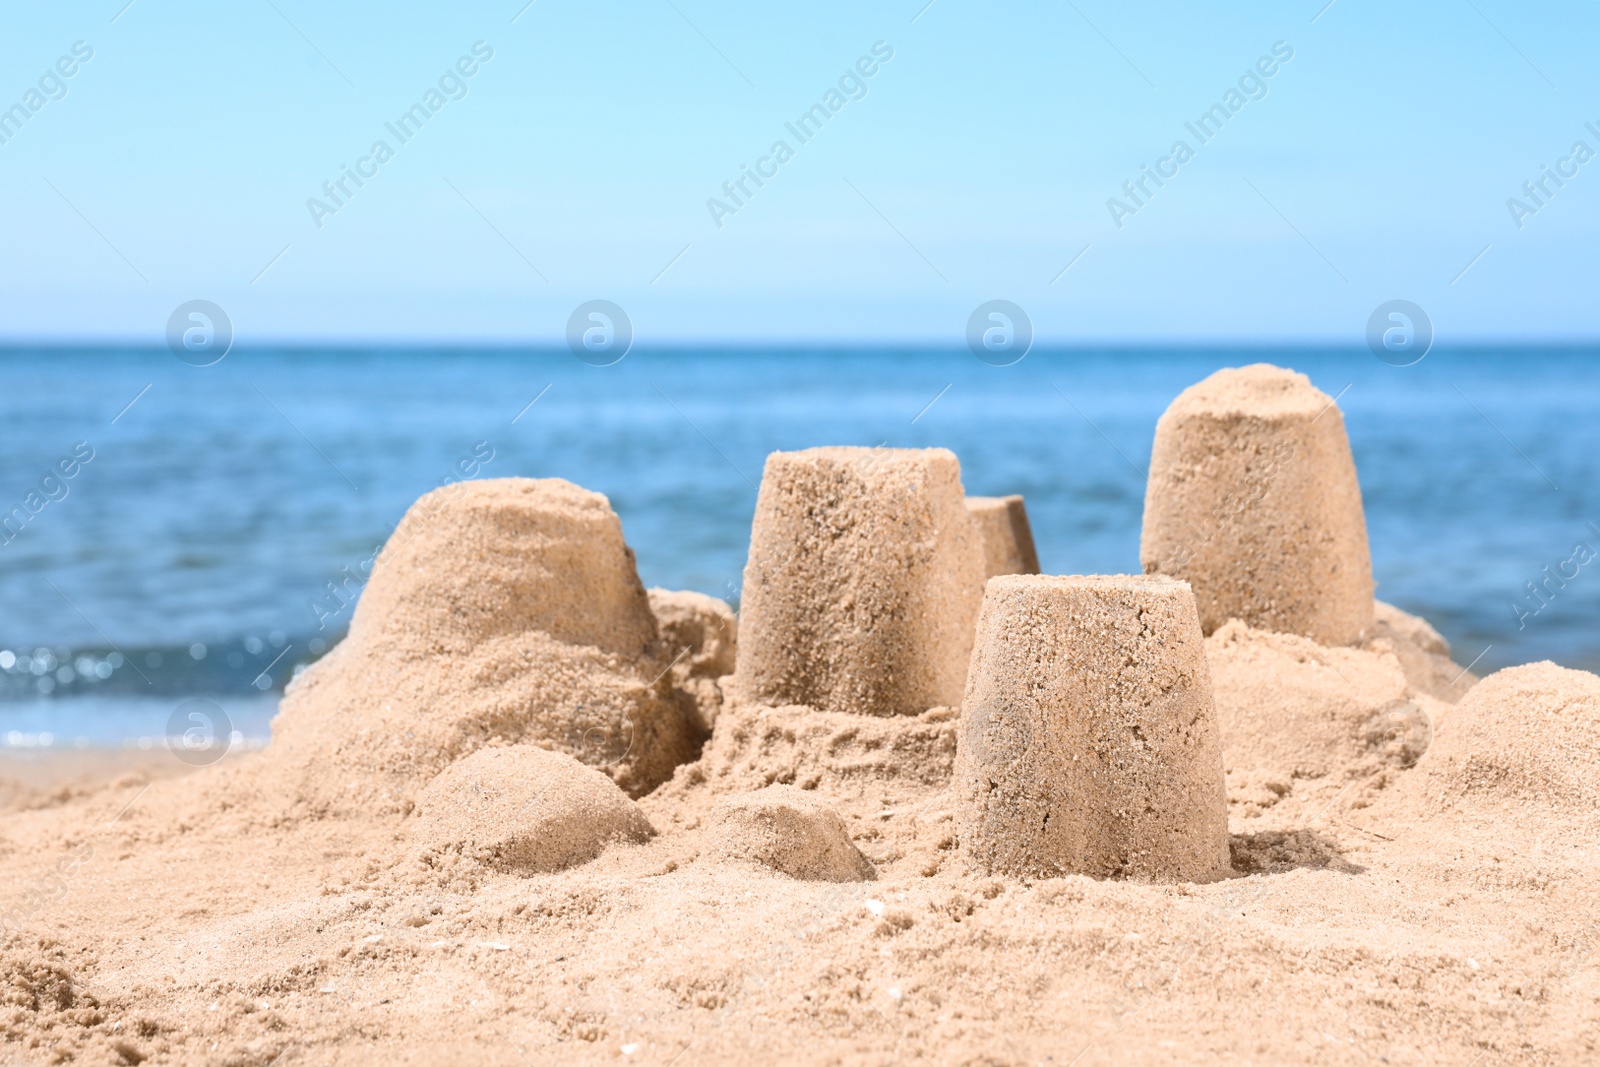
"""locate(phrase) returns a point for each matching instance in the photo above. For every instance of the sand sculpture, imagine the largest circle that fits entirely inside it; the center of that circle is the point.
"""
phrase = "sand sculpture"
(524, 809)
(863, 582)
(789, 830)
(1253, 499)
(1004, 532)
(506, 609)
(1089, 742)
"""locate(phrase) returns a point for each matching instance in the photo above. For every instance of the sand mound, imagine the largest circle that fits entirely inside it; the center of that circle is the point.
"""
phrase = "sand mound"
(1004, 532)
(1388, 620)
(863, 582)
(1424, 656)
(523, 809)
(788, 830)
(1287, 703)
(505, 609)
(1304, 725)
(1524, 739)
(1253, 499)
(702, 637)
(1088, 741)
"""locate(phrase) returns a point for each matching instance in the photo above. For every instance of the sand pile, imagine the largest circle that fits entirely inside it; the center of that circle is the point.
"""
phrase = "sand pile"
(787, 830)
(521, 808)
(1005, 535)
(863, 582)
(503, 610)
(1523, 745)
(44, 1008)
(1253, 500)
(1089, 742)
(1302, 722)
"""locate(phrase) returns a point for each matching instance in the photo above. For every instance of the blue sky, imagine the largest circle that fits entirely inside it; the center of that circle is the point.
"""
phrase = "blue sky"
(978, 165)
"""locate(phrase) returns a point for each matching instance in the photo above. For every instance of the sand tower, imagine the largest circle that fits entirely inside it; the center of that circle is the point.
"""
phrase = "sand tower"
(1253, 500)
(1088, 741)
(1004, 532)
(863, 583)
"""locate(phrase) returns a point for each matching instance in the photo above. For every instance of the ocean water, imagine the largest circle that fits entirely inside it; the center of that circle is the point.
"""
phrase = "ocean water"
(189, 554)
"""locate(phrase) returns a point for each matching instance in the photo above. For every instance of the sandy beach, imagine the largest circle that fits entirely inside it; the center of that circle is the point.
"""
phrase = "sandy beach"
(912, 803)
(40, 778)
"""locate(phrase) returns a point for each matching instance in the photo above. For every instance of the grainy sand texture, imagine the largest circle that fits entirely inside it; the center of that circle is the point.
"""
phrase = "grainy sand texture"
(528, 812)
(501, 610)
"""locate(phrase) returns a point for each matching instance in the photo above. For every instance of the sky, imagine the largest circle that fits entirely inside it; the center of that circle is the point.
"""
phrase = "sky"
(584, 158)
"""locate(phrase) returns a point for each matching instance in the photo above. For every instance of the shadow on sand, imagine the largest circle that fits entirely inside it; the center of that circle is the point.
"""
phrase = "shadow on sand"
(1277, 851)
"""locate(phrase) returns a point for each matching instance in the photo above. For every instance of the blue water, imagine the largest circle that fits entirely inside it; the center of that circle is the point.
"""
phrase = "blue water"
(186, 556)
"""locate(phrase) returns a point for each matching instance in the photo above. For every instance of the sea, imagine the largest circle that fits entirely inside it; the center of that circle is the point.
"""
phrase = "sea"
(209, 540)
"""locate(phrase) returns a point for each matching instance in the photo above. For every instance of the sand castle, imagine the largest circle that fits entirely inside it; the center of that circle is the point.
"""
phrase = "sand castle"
(511, 612)
(863, 582)
(1253, 499)
(1004, 532)
(500, 610)
(1089, 742)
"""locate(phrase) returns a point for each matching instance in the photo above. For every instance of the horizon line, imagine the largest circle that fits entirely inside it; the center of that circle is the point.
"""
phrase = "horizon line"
(15, 345)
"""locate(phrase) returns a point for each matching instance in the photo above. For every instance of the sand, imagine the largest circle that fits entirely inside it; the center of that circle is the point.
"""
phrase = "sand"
(785, 829)
(46, 777)
(1521, 743)
(522, 808)
(1411, 876)
(702, 636)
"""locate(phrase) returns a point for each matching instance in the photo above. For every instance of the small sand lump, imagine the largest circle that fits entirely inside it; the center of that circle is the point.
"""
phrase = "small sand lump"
(524, 809)
(863, 582)
(1253, 500)
(788, 830)
(1004, 532)
(1089, 742)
